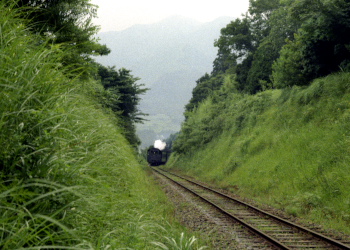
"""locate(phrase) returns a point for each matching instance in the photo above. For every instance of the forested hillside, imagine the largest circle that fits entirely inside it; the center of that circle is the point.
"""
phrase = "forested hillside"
(271, 121)
(69, 175)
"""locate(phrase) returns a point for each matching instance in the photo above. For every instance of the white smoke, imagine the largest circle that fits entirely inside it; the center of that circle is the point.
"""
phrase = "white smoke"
(159, 144)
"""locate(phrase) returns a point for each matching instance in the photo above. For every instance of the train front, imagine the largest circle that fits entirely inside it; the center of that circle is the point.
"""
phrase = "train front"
(154, 157)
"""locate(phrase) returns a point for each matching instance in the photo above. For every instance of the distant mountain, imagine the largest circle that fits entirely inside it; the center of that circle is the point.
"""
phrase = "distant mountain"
(168, 56)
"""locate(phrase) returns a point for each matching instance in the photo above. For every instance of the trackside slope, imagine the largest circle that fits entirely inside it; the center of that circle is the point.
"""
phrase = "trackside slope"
(288, 148)
(68, 177)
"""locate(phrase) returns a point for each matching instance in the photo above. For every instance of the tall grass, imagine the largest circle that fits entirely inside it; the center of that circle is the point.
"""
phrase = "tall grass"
(288, 148)
(32, 91)
(69, 179)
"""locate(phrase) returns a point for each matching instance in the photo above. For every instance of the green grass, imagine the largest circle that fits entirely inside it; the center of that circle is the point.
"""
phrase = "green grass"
(287, 148)
(69, 179)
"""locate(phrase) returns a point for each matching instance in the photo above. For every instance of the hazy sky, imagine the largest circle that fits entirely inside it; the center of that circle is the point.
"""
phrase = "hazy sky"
(119, 15)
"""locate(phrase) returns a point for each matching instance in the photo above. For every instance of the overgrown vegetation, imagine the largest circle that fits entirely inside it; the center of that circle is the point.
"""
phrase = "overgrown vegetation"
(122, 95)
(69, 179)
(68, 23)
(287, 148)
(279, 44)
(275, 127)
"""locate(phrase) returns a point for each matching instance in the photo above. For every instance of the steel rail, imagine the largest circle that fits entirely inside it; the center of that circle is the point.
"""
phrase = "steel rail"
(252, 228)
(299, 227)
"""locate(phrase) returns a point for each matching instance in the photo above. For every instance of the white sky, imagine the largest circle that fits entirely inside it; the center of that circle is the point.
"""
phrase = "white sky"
(119, 15)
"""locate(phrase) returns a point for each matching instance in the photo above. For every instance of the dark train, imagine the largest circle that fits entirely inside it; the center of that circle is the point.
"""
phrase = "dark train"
(156, 157)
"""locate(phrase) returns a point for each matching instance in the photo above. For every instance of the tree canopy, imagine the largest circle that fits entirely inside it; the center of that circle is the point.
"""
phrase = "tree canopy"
(206, 85)
(68, 23)
(320, 47)
(122, 96)
(280, 43)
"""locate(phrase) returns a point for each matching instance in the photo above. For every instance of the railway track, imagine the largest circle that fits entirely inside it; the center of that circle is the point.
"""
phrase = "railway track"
(276, 232)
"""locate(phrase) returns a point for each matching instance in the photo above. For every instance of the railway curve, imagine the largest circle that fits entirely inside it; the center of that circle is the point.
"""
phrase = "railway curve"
(269, 230)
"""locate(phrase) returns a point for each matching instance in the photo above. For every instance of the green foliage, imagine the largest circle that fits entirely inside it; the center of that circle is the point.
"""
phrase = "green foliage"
(242, 71)
(287, 70)
(32, 214)
(247, 48)
(260, 68)
(321, 46)
(287, 148)
(236, 42)
(122, 84)
(68, 23)
(68, 177)
(210, 118)
(32, 119)
(31, 92)
(206, 86)
(197, 132)
(122, 96)
(281, 28)
(287, 42)
(181, 244)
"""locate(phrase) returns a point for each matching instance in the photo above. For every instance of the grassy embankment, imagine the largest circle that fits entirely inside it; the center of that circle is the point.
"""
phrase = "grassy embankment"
(288, 148)
(69, 179)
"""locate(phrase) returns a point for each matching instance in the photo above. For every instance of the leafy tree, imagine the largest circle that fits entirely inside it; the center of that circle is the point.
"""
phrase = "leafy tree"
(242, 71)
(260, 13)
(240, 47)
(123, 97)
(322, 45)
(235, 43)
(69, 23)
(261, 67)
(206, 85)
(280, 28)
(287, 70)
(202, 125)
